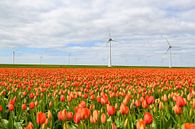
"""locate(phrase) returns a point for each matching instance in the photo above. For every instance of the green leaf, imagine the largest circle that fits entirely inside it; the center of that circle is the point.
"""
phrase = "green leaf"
(17, 125)
(4, 124)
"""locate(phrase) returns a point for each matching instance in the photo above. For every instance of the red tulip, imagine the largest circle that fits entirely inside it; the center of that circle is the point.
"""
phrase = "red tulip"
(31, 96)
(1, 108)
(12, 101)
(24, 107)
(98, 99)
(77, 118)
(11, 107)
(110, 110)
(180, 101)
(104, 99)
(150, 99)
(62, 98)
(41, 118)
(148, 118)
(85, 96)
(32, 105)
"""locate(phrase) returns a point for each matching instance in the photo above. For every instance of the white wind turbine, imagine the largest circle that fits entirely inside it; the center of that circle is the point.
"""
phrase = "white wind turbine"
(13, 57)
(110, 40)
(169, 49)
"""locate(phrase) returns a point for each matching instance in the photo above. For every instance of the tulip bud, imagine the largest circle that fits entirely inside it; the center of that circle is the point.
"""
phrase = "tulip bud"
(103, 118)
(50, 104)
(49, 115)
(126, 122)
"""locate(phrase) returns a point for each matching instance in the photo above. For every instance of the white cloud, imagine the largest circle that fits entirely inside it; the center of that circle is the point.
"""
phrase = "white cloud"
(137, 25)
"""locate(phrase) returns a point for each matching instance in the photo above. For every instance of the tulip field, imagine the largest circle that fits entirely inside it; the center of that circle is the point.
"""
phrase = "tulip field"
(97, 98)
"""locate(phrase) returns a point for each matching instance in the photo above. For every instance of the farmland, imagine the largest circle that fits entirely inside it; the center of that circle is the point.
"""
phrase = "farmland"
(56, 98)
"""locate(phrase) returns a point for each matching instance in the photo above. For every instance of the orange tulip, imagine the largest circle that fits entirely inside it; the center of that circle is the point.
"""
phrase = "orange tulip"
(193, 103)
(124, 109)
(29, 126)
(114, 126)
(41, 118)
(177, 109)
(62, 115)
(103, 118)
(188, 126)
(69, 115)
(140, 124)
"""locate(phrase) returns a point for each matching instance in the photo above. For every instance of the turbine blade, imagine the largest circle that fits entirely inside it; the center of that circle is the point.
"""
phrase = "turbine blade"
(166, 40)
(167, 50)
(114, 40)
(109, 34)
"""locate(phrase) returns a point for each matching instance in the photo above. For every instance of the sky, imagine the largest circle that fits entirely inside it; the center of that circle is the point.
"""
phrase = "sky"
(76, 32)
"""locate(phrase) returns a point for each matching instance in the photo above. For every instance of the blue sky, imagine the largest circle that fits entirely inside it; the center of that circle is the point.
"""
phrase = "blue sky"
(76, 32)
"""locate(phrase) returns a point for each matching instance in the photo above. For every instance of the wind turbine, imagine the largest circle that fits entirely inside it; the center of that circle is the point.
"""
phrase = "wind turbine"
(41, 58)
(169, 49)
(69, 56)
(13, 57)
(110, 40)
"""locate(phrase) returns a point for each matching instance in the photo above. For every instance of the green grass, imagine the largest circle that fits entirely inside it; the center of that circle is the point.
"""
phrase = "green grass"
(74, 66)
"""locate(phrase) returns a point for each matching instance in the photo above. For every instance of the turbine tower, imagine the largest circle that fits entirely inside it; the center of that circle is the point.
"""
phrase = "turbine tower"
(110, 40)
(13, 57)
(41, 58)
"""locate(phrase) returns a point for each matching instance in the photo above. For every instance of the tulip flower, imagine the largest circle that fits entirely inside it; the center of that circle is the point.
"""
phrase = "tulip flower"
(103, 118)
(24, 106)
(1, 108)
(110, 110)
(11, 107)
(177, 109)
(150, 99)
(32, 105)
(148, 118)
(41, 118)
(29, 126)
(140, 124)
(124, 109)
